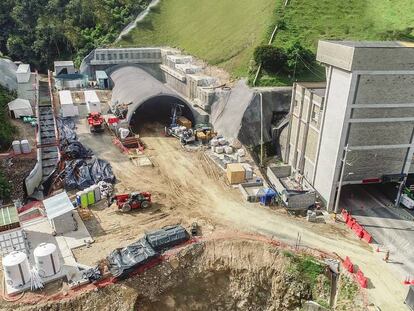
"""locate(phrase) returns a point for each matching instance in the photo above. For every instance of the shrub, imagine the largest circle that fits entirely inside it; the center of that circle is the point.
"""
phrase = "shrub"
(273, 59)
(5, 188)
(299, 57)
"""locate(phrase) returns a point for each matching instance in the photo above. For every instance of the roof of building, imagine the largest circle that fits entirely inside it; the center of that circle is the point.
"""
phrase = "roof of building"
(65, 98)
(366, 55)
(58, 205)
(63, 63)
(19, 103)
(70, 76)
(91, 96)
(100, 74)
(317, 88)
(8, 216)
(23, 68)
(370, 44)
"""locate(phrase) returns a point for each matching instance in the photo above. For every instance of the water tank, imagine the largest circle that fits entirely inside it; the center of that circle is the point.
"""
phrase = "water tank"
(16, 147)
(47, 259)
(16, 269)
(25, 146)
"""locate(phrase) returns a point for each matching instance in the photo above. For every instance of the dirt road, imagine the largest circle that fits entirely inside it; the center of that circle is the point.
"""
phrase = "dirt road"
(186, 187)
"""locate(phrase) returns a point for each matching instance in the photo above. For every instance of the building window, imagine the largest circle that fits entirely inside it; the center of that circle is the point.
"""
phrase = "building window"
(121, 56)
(315, 114)
(295, 103)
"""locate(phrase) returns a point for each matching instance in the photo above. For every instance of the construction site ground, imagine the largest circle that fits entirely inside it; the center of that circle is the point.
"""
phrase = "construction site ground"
(187, 187)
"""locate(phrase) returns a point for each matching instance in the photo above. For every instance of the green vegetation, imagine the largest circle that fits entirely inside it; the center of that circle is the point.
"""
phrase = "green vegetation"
(304, 266)
(7, 130)
(226, 32)
(41, 31)
(5, 188)
(348, 289)
(222, 32)
(309, 21)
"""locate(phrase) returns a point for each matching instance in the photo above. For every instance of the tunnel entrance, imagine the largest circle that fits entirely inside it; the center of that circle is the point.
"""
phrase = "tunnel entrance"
(157, 111)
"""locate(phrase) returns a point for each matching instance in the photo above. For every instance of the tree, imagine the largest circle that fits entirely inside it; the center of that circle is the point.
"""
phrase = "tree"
(273, 59)
(298, 58)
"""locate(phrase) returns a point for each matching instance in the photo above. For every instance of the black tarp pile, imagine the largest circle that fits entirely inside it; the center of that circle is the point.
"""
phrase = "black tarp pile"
(123, 260)
(66, 127)
(82, 168)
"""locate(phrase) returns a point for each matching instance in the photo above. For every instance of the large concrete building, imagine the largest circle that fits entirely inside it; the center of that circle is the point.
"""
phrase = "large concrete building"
(368, 105)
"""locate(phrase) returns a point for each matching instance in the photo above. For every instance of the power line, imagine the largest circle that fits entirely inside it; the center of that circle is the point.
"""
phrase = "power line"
(313, 71)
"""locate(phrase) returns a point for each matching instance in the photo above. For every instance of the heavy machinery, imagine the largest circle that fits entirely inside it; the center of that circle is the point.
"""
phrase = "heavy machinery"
(129, 201)
(182, 132)
(204, 132)
(96, 122)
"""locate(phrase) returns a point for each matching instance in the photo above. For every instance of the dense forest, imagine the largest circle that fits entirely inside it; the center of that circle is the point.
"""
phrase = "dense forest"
(41, 31)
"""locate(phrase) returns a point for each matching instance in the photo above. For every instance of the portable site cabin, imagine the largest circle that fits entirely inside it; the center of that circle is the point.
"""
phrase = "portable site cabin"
(64, 67)
(23, 73)
(102, 79)
(12, 237)
(92, 101)
(67, 108)
(59, 211)
(20, 108)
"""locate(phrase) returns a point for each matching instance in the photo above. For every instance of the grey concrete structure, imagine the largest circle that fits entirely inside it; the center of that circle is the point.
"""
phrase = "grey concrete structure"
(369, 106)
(134, 86)
(305, 122)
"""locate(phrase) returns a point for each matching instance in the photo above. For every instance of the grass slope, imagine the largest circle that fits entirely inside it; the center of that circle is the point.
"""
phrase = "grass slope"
(225, 32)
(222, 32)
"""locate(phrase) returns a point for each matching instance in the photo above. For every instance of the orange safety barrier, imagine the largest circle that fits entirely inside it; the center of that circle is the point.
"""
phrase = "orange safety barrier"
(345, 215)
(362, 280)
(356, 227)
(348, 264)
(366, 236)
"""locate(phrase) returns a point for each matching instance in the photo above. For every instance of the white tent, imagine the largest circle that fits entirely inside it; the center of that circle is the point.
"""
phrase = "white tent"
(59, 212)
(20, 107)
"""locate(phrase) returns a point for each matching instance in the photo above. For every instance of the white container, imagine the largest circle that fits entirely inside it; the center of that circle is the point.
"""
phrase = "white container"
(222, 141)
(93, 104)
(228, 150)
(97, 191)
(16, 269)
(219, 149)
(25, 146)
(16, 147)
(214, 142)
(248, 171)
(241, 152)
(123, 133)
(47, 260)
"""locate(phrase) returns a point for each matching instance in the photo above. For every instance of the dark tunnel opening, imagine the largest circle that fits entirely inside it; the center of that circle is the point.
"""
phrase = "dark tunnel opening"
(157, 111)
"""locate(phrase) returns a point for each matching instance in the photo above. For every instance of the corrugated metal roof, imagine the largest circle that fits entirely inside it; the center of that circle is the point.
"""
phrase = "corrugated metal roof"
(58, 205)
(8, 215)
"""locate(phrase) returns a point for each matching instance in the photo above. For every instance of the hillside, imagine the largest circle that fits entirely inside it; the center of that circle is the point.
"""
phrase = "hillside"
(225, 32)
(222, 32)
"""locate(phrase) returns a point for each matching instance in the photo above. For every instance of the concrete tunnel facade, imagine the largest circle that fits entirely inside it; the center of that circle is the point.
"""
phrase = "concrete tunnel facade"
(150, 99)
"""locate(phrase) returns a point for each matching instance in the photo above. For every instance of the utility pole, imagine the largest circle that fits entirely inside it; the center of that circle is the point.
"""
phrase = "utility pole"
(261, 129)
(338, 197)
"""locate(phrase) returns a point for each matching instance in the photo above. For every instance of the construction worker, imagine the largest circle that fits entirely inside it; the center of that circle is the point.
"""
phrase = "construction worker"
(387, 256)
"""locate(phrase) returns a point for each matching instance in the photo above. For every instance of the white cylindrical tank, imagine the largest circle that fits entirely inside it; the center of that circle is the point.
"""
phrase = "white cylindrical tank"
(16, 147)
(25, 146)
(16, 269)
(47, 259)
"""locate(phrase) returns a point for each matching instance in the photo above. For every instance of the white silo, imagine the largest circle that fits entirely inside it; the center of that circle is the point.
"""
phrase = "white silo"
(16, 269)
(47, 259)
